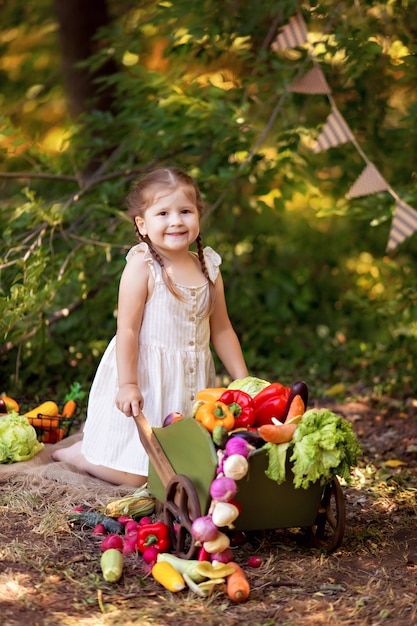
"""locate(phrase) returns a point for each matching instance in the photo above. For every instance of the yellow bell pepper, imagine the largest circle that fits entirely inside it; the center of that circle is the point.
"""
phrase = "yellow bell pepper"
(210, 394)
(212, 414)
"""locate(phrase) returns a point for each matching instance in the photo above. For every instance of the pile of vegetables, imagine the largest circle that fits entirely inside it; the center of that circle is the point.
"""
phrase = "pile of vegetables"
(251, 413)
(148, 540)
(318, 443)
(50, 424)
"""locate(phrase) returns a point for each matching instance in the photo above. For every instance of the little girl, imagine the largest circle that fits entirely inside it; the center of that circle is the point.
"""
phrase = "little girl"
(171, 306)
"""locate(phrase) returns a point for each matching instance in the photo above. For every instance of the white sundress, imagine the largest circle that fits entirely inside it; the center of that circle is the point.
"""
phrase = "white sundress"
(174, 362)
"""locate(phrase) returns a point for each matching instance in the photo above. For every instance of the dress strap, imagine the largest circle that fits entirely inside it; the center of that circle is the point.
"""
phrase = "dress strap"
(213, 261)
(143, 248)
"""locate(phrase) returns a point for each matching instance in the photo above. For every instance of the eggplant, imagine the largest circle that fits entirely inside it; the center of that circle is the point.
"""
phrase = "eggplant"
(298, 389)
(252, 437)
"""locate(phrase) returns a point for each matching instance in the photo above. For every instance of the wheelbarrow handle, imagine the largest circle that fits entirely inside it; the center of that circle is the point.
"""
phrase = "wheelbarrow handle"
(154, 450)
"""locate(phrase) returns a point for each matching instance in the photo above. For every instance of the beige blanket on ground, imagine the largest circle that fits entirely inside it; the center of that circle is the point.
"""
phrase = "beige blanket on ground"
(61, 480)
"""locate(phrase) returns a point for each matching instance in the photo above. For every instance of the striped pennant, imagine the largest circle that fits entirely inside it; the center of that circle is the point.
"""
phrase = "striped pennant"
(293, 34)
(404, 224)
(334, 132)
(369, 182)
(313, 82)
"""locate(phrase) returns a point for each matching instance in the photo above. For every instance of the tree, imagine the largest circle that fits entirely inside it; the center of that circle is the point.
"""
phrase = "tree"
(308, 291)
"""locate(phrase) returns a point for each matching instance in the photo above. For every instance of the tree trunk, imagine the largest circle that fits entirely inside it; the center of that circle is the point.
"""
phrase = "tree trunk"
(79, 22)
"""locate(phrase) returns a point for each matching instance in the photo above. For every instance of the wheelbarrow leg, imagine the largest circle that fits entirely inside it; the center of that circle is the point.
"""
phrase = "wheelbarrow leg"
(329, 527)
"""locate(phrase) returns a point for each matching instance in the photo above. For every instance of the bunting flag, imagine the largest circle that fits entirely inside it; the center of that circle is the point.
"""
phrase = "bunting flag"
(369, 182)
(404, 224)
(293, 35)
(313, 82)
(334, 132)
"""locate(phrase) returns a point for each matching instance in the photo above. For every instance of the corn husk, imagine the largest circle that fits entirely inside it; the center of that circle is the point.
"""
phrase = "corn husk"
(138, 504)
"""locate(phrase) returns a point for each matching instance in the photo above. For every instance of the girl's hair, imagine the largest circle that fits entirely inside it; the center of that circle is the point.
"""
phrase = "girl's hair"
(142, 196)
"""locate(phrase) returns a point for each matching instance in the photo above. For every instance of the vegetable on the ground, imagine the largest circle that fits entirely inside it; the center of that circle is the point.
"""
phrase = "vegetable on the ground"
(91, 519)
(112, 563)
(183, 566)
(139, 503)
(277, 433)
(212, 414)
(167, 576)
(112, 541)
(237, 585)
(157, 534)
(241, 405)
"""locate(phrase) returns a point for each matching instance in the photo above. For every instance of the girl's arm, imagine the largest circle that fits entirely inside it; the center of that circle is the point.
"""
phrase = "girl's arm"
(133, 292)
(223, 337)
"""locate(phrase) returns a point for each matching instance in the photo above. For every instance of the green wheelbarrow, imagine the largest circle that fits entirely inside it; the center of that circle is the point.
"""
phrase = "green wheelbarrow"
(183, 464)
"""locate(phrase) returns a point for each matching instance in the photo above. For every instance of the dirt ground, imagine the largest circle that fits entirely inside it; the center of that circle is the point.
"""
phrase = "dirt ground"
(50, 573)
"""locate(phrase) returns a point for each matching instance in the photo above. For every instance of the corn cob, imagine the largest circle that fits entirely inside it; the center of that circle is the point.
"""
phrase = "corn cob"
(138, 504)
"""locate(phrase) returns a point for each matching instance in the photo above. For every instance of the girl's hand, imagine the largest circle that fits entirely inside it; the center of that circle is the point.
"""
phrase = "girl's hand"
(129, 400)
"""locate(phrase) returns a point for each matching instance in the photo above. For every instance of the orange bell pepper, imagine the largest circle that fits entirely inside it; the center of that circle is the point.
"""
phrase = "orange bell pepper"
(212, 414)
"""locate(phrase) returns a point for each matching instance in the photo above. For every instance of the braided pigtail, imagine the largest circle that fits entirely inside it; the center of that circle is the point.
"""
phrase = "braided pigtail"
(204, 269)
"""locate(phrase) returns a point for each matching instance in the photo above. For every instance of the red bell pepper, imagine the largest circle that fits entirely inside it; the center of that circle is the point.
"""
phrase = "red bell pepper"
(156, 534)
(240, 404)
(270, 402)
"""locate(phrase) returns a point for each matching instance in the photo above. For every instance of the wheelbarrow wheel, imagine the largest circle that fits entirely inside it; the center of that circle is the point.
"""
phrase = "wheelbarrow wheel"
(329, 527)
(181, 508)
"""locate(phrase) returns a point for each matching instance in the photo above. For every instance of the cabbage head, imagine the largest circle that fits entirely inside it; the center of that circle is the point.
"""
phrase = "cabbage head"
(18, 441)
(251, 385)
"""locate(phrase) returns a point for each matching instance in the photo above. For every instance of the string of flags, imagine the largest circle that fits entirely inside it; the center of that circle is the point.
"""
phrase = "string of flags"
(336, 131)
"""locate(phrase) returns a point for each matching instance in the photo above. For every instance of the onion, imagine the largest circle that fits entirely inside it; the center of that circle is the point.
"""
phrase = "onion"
(112, 541)
(222, 557)
(235, 466)
(223, 488)
(224, 514)
(203, 529)
(235, 445)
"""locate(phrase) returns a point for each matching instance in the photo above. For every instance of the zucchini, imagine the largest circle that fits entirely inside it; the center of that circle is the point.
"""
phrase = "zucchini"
(112, 563)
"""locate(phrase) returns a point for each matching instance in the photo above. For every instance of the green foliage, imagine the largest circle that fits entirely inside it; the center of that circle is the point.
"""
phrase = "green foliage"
(309, 289)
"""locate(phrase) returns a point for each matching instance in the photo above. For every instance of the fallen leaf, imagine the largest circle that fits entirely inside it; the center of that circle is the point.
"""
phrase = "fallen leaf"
(394, 463)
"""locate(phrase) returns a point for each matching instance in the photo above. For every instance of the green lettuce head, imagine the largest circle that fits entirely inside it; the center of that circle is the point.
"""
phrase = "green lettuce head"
(18, 441)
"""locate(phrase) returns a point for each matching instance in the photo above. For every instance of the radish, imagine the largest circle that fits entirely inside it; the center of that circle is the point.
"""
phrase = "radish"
(112, 541)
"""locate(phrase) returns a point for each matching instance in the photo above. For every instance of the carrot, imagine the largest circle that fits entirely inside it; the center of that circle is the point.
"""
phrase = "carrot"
(274, 433)
(69, 408)
(237, 585)
(297, 409)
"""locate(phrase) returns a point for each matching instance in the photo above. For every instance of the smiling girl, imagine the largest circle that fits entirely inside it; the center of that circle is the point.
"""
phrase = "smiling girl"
(171, 308)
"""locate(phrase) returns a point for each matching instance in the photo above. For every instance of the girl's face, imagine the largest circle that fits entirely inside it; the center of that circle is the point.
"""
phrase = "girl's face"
(171, 222)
